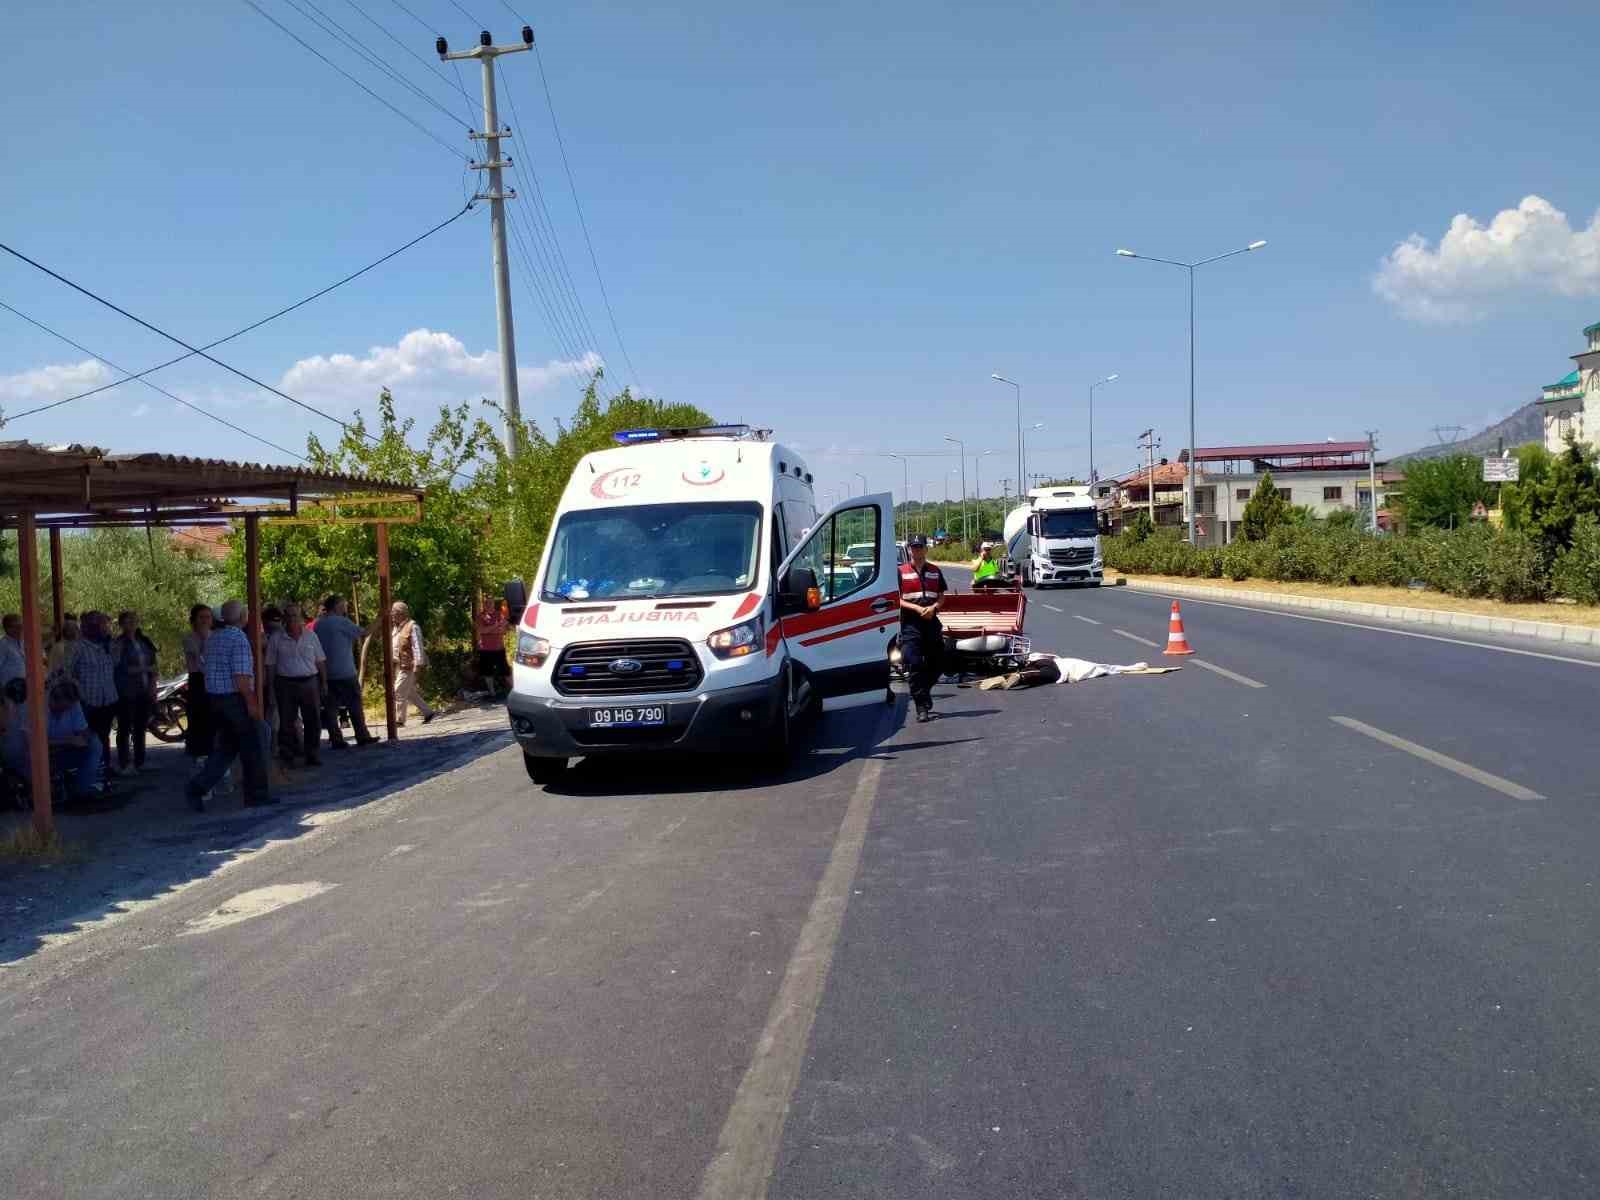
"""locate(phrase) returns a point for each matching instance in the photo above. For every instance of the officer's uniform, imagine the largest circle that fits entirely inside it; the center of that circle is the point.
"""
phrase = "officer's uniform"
(921, 641)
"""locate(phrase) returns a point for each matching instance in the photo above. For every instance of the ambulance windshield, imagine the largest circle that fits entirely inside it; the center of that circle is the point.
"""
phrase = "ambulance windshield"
(647, 550)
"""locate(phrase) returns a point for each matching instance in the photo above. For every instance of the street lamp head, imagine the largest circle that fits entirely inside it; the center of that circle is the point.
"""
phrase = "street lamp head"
(948, 438)
(1256, 245)
(1001, 378)
(1037, 425)
(1126, 254)
(1109, 377)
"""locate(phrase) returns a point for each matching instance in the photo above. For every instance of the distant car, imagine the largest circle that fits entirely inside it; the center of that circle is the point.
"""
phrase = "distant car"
(846, 579)
(902, 552)
(861, 552)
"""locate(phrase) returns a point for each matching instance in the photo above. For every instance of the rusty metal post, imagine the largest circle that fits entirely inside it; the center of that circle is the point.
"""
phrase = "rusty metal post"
(252, 577)
(57, 593)
(386, 630)
(33, 654)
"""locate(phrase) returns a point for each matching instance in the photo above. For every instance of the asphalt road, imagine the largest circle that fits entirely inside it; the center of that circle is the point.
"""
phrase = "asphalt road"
(1160, 936)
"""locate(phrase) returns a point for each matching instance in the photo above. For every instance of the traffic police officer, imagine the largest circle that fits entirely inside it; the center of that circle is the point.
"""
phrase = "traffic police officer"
(922, 590)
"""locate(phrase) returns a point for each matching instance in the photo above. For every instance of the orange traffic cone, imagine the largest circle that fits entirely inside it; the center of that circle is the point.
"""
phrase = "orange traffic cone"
(1177, 643)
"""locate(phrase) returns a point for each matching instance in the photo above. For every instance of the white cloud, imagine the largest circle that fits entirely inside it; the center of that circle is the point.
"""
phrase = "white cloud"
(29, 389)
(1530, 247)
(424, 368)
(139, 410)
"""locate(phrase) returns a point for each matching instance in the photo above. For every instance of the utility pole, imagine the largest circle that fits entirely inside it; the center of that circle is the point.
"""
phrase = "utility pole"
(1147, 441)
(494, 161)
(1372, 476)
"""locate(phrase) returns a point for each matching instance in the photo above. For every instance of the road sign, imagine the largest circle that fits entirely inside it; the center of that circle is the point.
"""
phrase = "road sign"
(1479, 512)
(1500, 470)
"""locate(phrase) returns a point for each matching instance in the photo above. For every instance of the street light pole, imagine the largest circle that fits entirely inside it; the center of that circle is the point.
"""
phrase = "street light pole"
(905, 493)
(1092, 386)
(1189, 475)
(966, 529)
(1021, 465)
(863, 479)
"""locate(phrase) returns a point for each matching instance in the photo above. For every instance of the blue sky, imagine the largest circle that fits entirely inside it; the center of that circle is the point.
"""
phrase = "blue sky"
(833, 219)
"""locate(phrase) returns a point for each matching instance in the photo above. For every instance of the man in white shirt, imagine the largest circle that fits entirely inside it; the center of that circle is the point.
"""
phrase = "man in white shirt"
(13, 662)
(297, 669)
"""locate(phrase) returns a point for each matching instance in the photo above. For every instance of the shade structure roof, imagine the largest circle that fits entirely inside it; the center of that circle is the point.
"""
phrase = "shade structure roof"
(85, 486)
(1279, 450)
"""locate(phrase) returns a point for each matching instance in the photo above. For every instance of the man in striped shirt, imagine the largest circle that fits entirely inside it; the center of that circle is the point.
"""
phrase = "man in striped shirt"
(231, 691)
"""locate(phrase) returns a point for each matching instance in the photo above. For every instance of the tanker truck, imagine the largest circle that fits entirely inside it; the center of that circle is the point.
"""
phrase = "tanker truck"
(1055, 538)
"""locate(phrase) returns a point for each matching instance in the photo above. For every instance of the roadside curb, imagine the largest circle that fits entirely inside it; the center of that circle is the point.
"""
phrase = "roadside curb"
(1546, 631)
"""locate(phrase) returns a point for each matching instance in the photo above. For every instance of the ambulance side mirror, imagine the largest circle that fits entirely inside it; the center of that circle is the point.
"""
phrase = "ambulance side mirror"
(799, 592)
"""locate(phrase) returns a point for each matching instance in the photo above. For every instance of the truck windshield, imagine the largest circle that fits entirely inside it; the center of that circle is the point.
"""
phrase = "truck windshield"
(1069, 523)
(695, 549)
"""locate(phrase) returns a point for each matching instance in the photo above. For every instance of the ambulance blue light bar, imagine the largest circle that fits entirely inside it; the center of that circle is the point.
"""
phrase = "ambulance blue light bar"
(634, 437)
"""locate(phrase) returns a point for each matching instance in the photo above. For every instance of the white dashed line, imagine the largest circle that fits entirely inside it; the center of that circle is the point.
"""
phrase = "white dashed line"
(1134, 637)
(1052, 607)
(1504, 786)
(1227, 674)
(1081, 617)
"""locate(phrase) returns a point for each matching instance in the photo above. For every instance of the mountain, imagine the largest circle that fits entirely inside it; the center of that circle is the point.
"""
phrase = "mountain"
(1524, 425)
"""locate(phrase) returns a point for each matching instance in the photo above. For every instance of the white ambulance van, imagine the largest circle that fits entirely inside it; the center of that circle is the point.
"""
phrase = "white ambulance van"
(690, 597)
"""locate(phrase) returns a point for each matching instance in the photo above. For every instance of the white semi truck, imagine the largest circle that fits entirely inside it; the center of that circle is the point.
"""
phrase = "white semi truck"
(1055, 537)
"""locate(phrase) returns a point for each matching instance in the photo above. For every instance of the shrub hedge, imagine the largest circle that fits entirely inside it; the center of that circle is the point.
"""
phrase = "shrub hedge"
(1475, 561)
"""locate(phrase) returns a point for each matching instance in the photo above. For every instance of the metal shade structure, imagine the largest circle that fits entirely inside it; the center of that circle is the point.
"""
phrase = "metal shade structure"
(86, 487)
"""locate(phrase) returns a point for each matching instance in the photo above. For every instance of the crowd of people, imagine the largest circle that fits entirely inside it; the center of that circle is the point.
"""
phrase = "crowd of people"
(102, 676)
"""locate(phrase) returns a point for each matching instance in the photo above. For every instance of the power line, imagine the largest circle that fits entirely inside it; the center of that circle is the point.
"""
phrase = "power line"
(248, 328)
(204, 412)
(572, 183)
(337, 31)
(541, 209)
(404, 116)
(193, 350)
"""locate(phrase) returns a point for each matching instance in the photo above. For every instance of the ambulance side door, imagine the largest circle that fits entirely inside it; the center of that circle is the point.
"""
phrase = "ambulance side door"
(842, 643)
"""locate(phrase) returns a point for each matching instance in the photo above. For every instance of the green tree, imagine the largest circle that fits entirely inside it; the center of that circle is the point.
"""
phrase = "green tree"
(1138, 527)
(150, 572)
(1265, 511)
(1442, 491)
(436, 565)
(1551, 493)
(534, 480)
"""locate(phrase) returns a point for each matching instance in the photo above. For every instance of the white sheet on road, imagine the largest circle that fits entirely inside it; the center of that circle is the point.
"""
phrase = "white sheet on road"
(1076, 670)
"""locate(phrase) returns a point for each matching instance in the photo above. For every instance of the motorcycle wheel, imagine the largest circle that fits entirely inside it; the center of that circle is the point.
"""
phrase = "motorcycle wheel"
(170, 721)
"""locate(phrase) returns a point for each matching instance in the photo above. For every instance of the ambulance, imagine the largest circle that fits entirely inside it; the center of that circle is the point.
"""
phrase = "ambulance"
(690, 597)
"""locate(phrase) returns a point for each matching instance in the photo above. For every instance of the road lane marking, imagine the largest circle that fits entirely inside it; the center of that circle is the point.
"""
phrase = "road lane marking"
(1427, 637)
(747, 1148)
(1090, 620)
(1051, 607)
(1227, 674)
(1135, 637)
(1466, 770)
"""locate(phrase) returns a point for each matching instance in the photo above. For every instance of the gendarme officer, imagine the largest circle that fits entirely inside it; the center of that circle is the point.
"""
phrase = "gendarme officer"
(922, 590)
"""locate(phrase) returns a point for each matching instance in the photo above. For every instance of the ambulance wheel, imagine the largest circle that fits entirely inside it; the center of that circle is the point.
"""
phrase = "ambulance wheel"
(777, 754)
(544, 771)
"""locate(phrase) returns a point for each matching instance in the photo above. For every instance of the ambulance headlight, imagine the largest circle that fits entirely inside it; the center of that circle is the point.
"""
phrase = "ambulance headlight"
(532, 649)
(737, 640)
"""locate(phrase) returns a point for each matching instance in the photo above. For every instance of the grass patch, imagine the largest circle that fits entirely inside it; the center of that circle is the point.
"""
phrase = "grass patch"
(1398, 597)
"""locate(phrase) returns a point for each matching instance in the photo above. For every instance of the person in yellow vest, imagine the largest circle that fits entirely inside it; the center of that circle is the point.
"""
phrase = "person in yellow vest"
(985, 568)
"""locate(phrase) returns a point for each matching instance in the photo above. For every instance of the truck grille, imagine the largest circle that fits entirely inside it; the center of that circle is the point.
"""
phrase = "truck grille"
(665, 665)
(1072, 556)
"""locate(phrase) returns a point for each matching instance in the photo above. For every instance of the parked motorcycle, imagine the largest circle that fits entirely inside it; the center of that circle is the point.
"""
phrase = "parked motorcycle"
(169, 719)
